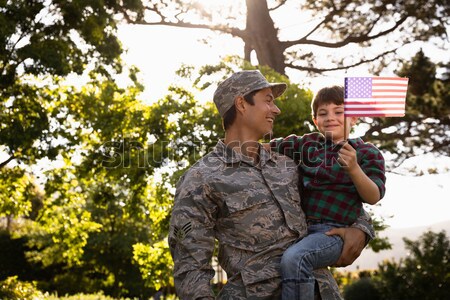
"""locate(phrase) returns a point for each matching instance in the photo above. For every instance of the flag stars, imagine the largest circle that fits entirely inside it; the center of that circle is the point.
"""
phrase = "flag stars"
(358, 87)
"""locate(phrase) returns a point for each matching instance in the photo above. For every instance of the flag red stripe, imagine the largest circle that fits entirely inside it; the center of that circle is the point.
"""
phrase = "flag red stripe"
(391, 84)
(389, 78)
(387, 91)
(371, 108)
(374, 115)
(373, 102)
(387, 96)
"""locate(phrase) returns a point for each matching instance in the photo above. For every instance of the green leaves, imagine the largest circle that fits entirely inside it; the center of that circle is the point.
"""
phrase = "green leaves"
(155, 264)
(17, 191)
(423, 274)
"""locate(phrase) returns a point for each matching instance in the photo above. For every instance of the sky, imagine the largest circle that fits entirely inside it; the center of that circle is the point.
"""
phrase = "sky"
(159, 51)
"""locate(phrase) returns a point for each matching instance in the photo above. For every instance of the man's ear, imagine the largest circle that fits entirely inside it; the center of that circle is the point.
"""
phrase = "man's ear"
(239, 102)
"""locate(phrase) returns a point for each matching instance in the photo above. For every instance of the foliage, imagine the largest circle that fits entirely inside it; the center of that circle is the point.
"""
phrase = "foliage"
(12, 288)
(155, 264)
(40, 38)
(16, 186)
(98, 296)
(423, 274)
(55, 37)
(363, 289)
(378, 243)
(295, 103)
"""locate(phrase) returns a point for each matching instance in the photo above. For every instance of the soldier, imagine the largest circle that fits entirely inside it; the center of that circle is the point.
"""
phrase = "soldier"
(247, 200)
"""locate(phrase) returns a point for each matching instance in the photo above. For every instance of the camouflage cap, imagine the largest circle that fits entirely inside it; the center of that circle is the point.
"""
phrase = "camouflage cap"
(240, 84)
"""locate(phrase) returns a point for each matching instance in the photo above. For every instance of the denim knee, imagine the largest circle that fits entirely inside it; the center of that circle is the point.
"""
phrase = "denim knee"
(290, 263)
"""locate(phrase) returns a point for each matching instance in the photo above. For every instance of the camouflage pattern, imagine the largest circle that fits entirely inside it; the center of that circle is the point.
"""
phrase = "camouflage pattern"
(252, 211)
(240, 84)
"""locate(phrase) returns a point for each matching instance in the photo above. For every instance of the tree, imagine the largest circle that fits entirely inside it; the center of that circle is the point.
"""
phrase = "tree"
(329, 25)
(40, 39)
(96, 207)
(424, 274)
(338, 28)
(425, 126)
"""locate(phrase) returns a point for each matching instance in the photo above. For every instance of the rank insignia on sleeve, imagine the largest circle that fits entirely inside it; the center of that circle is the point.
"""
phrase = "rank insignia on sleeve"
(181, 232)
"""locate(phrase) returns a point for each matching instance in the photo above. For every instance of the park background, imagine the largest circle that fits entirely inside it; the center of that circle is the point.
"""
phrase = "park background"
(92, 158)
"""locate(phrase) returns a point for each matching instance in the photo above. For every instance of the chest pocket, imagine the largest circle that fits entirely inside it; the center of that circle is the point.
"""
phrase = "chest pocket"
(246, 201)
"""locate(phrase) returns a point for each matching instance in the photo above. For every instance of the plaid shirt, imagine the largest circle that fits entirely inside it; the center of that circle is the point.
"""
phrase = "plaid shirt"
(328, 190)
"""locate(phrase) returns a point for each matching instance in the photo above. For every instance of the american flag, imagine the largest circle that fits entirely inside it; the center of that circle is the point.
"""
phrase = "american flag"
(375, 96)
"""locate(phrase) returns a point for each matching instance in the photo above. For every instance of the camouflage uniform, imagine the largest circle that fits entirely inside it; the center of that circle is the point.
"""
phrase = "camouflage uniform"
(252, 211)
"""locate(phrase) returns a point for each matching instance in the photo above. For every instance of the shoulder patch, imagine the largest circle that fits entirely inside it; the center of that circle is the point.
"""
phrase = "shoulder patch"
(181, 232)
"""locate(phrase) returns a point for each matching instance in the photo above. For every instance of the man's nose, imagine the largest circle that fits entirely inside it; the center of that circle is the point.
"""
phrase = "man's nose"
(276, 110)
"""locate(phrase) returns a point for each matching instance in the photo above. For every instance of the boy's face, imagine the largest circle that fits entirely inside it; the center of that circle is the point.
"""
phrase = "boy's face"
(330, 121)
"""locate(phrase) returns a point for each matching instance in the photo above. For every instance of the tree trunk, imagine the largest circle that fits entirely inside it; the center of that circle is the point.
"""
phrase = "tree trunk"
(262, 36)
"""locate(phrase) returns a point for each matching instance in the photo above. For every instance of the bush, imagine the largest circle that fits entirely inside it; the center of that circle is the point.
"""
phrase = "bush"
(363, 289)
(12, 289)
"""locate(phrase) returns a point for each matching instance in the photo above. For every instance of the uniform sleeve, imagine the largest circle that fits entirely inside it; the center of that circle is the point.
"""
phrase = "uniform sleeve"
(191, 239)
(364, 223)
(328, 287)
(289, 146)
(372, 164)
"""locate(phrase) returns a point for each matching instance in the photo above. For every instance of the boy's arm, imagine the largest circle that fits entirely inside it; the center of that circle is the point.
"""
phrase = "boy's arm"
(289, 146)
(371, 190)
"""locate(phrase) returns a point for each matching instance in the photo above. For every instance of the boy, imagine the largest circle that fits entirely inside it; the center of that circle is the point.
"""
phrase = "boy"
(337, 176)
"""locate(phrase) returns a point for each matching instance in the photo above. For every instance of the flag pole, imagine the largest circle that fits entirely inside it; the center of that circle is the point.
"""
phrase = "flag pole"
(345, 128)
(345, 116)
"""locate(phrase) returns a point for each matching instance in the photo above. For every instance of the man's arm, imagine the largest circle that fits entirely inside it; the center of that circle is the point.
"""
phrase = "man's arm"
(355, 238)
(191, 240)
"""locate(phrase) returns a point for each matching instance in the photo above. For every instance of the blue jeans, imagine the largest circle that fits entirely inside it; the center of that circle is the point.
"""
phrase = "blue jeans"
(316, 250)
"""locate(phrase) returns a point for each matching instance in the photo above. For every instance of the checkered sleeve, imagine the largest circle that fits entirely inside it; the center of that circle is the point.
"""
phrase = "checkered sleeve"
(372, 163)
(289, 146)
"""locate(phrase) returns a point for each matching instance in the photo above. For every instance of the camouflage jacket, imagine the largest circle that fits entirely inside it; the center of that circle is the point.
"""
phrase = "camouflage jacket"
(252, 211)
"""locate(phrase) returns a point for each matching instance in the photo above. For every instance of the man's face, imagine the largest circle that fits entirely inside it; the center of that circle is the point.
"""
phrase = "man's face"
(261, 116)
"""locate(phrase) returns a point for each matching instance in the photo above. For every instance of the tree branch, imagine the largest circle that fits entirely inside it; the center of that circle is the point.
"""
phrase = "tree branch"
(282, 2)
(350, 39)
(321, 70)
(327, 18)
(230, 30)
(236, 32)
(7, 161)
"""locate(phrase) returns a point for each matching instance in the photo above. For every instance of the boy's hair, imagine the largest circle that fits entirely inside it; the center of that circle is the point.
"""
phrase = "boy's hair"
(327, 95)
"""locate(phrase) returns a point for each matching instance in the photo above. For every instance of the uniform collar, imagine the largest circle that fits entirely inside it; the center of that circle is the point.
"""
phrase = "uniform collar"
(230, 156)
